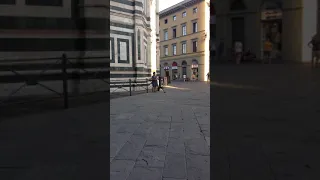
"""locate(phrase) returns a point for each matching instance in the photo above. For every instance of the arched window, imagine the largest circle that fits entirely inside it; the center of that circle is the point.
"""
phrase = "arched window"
(139, 45)
(237, 5)
(184, 67)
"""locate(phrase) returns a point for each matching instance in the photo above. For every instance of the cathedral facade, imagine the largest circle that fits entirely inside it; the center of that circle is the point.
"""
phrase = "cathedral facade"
(133, 38)
(113, 40)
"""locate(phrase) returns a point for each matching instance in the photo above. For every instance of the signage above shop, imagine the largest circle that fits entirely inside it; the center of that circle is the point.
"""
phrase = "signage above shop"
(194, 66)
(174, 67)
(271, 14)
(166, 68)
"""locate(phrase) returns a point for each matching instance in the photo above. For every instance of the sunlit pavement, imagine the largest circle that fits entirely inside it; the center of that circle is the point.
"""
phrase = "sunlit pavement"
(265, 122)
(162, 136)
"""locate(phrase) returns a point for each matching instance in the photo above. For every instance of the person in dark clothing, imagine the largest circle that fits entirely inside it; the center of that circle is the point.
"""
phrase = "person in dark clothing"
(315, 45)
(154, 82)
(160, 84)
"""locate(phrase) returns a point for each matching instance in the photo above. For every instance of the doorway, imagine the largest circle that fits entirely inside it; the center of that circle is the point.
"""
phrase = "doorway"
(238, 30)
(272, 30)
(195, 69)
(184, 68)
(174, 71)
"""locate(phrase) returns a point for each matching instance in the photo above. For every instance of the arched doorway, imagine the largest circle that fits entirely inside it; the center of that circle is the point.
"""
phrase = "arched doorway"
(271, 26)
(195, 68)
(174, 71)
(184, 68)
(238, 23)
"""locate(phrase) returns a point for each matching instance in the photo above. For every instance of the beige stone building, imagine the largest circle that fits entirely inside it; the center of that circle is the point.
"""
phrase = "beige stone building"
(289, 24)
(184, 40)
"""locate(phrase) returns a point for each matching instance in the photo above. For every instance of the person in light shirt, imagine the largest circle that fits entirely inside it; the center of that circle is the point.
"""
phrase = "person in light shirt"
(315, 45)
(238, 51)
(268, 46)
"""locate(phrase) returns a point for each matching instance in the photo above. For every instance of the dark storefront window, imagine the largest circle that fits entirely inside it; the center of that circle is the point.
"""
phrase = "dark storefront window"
(44, 2)
(8, 2)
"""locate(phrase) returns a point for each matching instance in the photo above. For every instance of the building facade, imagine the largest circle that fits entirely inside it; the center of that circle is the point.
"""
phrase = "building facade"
(288, 24)
(42, 29)
(213, 49)
(33, 29)
(133, 38)
(184, 40)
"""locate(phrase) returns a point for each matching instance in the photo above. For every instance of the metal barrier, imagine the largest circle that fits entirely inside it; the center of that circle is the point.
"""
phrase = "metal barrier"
(62, 65)
(130, 86)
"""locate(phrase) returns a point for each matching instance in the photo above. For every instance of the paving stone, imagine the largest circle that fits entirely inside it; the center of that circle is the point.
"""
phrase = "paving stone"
(157, 141)
(203, 120)
(152, 156)
(175, 166)
(198, 167)
(205, 129)
(208, 141)
(176, 146)
(131, 149)
(117, 141)
(197, 146)
(192, 130)
(120, 169)
(127, 128)
(164, 119)
(144, 129)
(145, 173)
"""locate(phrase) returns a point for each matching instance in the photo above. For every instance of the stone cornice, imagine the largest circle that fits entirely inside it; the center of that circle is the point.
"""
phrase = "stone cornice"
(178, 7)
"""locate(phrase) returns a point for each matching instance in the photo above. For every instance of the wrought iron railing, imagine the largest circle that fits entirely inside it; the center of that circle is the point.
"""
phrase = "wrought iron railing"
(33, 73)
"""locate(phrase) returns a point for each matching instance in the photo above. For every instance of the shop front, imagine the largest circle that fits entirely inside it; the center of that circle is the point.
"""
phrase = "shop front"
(271, 28)
(184, 69)
(166, 69)
(174, 69)
(195, 69)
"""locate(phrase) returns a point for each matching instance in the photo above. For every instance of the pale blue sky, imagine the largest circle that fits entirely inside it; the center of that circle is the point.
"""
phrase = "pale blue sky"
(163, 4)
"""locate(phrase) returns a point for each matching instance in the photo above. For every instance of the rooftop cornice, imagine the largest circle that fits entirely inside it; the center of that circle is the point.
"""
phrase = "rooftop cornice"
(178, 7)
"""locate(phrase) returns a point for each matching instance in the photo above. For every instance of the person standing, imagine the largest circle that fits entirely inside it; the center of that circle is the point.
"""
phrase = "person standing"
(268, 46)
(238, 47)
(154, 82)
(208, 76)
(315, 45)
(193, 77)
